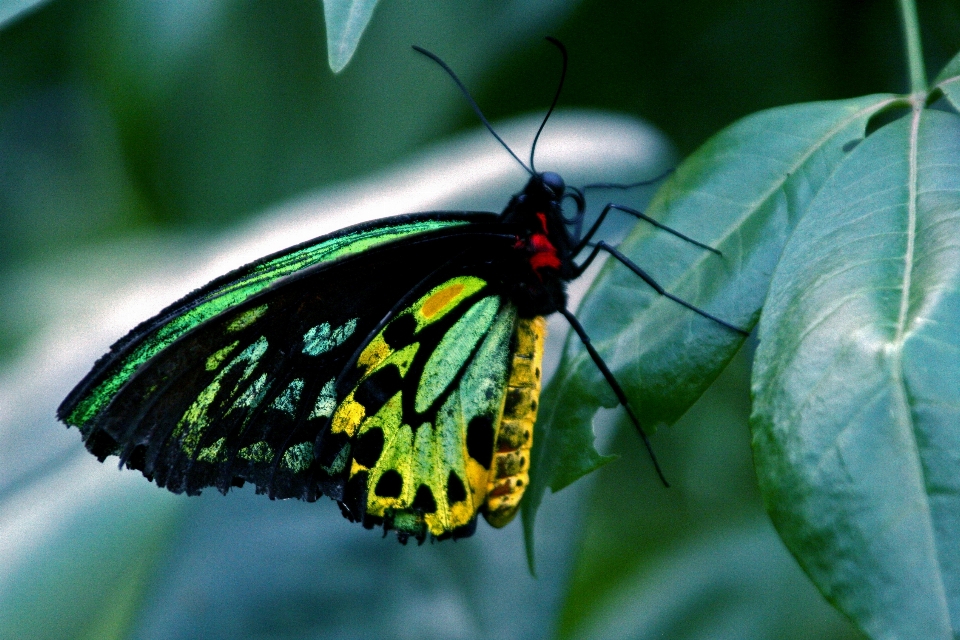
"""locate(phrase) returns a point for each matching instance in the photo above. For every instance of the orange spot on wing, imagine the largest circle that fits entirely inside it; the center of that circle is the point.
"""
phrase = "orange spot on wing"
(438, 301)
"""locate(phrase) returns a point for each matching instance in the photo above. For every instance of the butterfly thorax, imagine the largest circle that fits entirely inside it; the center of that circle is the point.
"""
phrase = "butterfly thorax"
(542, 261)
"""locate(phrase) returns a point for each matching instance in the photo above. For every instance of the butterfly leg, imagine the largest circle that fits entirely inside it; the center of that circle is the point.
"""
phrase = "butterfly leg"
(653, 283)
(615, 386)
(641, 216)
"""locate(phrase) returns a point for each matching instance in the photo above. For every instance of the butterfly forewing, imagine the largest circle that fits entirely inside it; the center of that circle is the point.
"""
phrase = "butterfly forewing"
(244, 395)
(96, 390)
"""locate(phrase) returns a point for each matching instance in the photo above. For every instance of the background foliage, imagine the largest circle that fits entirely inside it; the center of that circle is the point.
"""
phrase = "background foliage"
(131, 131)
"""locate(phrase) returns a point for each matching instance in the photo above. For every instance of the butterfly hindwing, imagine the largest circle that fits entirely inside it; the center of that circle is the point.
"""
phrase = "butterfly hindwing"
(421, 422)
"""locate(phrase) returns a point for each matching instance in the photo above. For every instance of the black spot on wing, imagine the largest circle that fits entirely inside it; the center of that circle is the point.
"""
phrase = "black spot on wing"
(368, 447)
(456, 492)
(390, 484)
(399, 333)
(424, 501)
(330, 446)
(512, 401)
(480, 440)
(374, 392)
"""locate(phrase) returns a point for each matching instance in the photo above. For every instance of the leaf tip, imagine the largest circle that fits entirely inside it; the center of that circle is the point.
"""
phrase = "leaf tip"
(345, 21)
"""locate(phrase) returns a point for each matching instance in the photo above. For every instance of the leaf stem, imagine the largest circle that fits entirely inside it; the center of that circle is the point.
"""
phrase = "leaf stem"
(911, 35)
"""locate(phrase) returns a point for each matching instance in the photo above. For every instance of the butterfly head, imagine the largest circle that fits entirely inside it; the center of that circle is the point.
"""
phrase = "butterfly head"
(543, 192)
(552, 183)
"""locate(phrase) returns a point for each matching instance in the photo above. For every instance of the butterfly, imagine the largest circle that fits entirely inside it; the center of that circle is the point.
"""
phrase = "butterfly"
(394, 366)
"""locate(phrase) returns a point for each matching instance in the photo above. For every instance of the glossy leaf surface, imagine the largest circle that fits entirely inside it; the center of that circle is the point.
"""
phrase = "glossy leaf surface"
(857, 383)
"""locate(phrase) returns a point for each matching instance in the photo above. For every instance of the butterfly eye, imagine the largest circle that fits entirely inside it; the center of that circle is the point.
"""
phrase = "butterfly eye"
(554, 182)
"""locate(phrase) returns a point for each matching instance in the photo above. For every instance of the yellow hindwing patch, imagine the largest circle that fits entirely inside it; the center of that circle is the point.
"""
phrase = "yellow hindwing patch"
(509, 474)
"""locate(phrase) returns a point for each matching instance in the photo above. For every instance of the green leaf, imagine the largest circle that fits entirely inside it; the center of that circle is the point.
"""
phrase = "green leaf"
(10, 10)
(579, 457)
(346, 21)
(857, 383)
(742, 192)
(949, 81)
(698, 560)
(737, 583)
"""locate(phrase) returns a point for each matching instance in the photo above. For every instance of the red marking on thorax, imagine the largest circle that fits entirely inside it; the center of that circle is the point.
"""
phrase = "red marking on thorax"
(544, 253)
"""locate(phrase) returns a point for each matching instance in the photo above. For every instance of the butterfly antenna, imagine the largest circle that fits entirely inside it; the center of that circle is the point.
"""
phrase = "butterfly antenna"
(556, 97)
(473, 103)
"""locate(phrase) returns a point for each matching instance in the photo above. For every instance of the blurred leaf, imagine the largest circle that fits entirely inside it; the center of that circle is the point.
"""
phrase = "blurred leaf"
(238, 111)
(857, 383)
(737, 583)
(949, 81)
(62, 174)
(346, 21)
(697, 560)
(10, 10)
(694, 67)
(742, 193)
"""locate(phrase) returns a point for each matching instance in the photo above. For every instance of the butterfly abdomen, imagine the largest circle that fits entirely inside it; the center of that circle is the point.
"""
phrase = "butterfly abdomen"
(509, 474)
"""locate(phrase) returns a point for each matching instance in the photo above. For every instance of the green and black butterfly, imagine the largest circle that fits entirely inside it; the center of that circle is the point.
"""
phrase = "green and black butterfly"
(393, 366)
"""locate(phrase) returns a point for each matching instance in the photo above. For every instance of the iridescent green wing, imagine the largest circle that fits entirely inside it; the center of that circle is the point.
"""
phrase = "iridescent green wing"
(236, 381)
(96, 390)
(416, 429)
